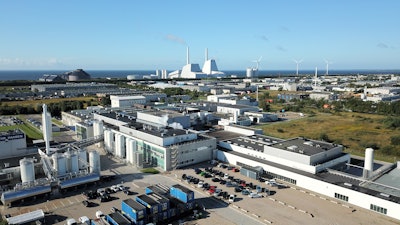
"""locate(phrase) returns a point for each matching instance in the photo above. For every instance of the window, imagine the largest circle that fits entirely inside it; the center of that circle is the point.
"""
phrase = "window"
(342, 197)
(378, 209)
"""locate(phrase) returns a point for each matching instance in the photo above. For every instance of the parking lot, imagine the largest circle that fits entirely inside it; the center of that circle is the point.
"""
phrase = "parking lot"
(285, 204)
(281, 206)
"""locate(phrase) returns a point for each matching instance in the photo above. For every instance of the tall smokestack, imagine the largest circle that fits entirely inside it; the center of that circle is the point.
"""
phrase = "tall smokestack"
(46, 128)
(187, 56)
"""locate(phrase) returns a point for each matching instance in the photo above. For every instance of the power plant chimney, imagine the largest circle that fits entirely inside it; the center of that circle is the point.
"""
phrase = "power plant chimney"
(187, 56)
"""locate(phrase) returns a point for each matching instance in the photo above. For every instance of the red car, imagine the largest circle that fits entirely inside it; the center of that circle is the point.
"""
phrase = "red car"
(235, 169)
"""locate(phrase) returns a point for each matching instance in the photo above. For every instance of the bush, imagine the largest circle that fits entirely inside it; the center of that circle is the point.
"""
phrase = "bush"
(395, 140)
(150, 170)
(280, 130)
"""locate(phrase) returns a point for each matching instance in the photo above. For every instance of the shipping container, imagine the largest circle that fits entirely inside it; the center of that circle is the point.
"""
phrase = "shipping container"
(117, 219)
(151, 204)
(182, 193)
(163, 201)
(133, 210)
(159, 189)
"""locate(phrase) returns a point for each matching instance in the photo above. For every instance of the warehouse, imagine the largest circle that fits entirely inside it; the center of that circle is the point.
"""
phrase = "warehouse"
(320, 167)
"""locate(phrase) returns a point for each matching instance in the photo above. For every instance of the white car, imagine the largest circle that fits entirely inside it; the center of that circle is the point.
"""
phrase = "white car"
(84, 219)
(114, 188)
(121, 187)
(200, 184)
(255, 195)
(271, 182)
(217, 192)
(232, 198)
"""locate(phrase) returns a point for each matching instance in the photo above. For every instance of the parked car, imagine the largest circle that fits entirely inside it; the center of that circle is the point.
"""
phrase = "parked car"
(215, 179)
(255, 195)
(232, 198)
(245, 192)
(113, 209)
(200, 184)
(197, 170)
(114, 188)
(217, 192)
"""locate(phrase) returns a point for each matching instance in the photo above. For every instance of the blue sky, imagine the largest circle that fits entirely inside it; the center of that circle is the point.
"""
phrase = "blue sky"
(149, 34)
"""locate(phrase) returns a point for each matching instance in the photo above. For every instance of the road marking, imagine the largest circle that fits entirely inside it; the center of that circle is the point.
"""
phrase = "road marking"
(268, 221)
(255, 215)
(70, 202)
(244, 210)
(62, 203)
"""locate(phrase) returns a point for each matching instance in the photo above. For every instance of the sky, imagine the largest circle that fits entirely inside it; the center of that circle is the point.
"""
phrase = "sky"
(154, 34)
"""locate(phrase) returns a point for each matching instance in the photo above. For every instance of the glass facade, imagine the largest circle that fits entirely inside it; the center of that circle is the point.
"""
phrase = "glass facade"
(81, 132)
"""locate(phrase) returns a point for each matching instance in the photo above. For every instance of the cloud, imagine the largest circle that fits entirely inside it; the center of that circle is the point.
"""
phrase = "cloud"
(173, 38)
(382, 45)
(385, 46)
(264, 38)
(284, 28)
(281, 48)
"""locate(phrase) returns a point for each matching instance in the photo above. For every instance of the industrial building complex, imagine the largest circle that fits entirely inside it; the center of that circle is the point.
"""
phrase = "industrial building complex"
(170, 137)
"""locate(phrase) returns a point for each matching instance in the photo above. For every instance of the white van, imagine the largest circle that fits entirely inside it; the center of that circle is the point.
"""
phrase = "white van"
(232, 198)
(71, 221)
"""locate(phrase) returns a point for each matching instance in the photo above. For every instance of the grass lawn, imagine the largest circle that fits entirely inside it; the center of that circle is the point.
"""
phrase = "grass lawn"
(355, 131)
(30, 131)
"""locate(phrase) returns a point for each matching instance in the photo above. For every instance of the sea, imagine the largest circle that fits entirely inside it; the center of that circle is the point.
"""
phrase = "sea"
(36, 74)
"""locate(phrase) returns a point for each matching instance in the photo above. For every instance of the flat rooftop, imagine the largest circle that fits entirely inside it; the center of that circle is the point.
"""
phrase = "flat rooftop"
(304, 146)
(343, 181)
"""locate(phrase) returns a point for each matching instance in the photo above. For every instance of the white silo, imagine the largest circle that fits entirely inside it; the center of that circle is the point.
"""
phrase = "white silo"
(59, 164)
(368, 162)
(120, 145)
(128, 149)
(74, 163)
(27, 169)
(249, 72)
(98, 129)
(94, 162)
(82, 159)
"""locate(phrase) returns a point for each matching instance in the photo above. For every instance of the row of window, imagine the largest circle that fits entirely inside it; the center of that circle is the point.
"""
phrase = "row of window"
(342, 197)
(185, 162)
(378, 209)
(280, 177)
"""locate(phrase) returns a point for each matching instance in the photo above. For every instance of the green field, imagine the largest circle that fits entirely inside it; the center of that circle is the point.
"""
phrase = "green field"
(355, 131)
(29, 130)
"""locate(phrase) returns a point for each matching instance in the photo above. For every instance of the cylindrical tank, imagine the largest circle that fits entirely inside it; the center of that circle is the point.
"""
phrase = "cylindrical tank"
(27, 168)
(249, 72)
(369, 159)
(94, 162)
(59, 164)
(128, 149)
(97, 127)
(120, 145)
(74, 163)
(82, 159)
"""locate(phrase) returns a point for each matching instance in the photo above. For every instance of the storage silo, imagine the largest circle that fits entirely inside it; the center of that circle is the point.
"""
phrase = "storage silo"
(27, 169)
(128, 149)
(120, 145)
(82, 159)
(368, 162)
(74, 163)
(94, 162)
(59, 164)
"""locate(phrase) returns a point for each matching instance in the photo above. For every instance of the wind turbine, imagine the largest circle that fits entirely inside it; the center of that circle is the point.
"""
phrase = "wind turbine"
(297, 65)
(258, 62)
(327, 66)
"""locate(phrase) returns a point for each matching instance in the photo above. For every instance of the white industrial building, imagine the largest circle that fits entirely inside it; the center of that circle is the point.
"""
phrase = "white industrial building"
(126, 101)
(154, 138)
(12, 143)
(236, 109)
(320, 167)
